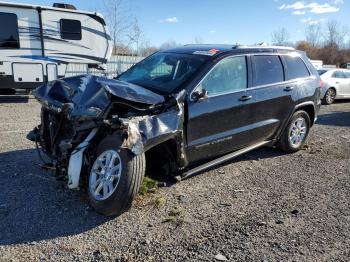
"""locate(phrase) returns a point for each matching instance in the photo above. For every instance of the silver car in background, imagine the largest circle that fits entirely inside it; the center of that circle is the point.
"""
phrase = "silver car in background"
(336, 84)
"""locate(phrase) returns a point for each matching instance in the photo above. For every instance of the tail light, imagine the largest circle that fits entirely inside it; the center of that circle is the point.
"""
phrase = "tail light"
(321, 84)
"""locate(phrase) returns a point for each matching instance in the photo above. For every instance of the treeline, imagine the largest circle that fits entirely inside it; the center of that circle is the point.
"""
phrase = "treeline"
(327, 42)
(329, 54)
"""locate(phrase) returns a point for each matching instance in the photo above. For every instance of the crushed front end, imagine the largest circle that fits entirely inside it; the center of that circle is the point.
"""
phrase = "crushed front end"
(78, 112)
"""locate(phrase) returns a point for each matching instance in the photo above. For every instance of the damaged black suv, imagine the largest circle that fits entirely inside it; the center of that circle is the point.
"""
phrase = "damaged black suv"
(178, 112)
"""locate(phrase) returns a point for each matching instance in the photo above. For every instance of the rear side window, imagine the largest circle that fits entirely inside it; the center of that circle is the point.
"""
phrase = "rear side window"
(347, 74)
(70, 29)
(9, 37)
(267, 70)
(295, 68)
(338, 74)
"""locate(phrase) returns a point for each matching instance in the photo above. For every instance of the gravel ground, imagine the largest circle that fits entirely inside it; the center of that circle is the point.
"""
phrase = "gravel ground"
(263, 206)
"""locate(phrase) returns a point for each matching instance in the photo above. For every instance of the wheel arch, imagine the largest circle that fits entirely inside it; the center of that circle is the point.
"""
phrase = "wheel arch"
(309, 108)
(163, 154)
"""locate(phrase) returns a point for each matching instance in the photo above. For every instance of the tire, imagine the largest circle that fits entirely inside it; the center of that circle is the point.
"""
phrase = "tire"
(329, 96)
(126, 188)
(286, 142)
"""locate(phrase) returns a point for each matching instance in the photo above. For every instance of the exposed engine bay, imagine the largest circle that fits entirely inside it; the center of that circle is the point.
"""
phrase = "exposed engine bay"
(78, 112)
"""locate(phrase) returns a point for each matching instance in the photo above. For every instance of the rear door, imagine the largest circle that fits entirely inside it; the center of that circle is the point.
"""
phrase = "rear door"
(221, 122)
(273, 96)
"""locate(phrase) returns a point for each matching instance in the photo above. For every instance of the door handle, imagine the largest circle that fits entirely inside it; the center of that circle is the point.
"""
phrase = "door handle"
(245, 98)
(289, 88)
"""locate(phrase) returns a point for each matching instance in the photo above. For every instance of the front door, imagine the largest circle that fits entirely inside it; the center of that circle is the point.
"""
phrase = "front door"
(221, 121)
(345, 88)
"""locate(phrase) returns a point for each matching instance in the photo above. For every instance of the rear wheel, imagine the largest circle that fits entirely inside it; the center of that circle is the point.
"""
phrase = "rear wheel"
(329, 97)
(295, 134)
(114, 178)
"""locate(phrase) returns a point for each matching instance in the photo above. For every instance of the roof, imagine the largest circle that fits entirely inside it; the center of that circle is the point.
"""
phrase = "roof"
(28, 6)
(212, 50)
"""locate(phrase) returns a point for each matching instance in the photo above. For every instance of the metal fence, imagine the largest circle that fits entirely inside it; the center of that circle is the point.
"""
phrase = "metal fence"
(115, 65)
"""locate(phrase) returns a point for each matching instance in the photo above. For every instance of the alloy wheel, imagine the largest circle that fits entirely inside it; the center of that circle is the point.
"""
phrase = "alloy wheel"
(330, 96)
(105, 175)
(297, 132)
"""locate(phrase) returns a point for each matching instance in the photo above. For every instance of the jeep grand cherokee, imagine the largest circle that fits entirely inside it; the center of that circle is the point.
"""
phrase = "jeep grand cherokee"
(182, 110)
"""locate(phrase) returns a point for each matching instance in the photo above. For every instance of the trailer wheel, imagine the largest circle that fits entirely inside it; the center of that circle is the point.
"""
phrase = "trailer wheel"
(115, 177)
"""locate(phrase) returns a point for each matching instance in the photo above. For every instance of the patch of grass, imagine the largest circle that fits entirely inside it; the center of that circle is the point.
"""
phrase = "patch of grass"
(148, 185)
(176, 216)
(175, 212)
(160, 202)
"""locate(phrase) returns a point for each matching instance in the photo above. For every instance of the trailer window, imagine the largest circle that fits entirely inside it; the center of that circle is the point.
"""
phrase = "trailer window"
(70, 29)
(9, 37)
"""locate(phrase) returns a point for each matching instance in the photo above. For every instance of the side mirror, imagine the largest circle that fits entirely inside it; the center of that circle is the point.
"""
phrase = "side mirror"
(199, 94)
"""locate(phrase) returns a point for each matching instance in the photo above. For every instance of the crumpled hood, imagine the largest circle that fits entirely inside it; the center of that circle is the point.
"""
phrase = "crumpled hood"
(89, 96)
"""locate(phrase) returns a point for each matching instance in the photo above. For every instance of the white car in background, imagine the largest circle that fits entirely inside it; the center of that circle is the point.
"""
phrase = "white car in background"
(336, 83)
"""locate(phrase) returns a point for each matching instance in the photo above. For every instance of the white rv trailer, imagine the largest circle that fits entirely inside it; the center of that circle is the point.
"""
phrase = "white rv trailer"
(37, 43)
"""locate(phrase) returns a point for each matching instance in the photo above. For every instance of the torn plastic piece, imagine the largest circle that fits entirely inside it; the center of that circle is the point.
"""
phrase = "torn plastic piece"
(134, 140)
(76, 161)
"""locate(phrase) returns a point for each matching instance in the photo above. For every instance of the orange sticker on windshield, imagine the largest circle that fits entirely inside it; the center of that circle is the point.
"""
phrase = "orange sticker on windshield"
(210, 52)
(213, 51)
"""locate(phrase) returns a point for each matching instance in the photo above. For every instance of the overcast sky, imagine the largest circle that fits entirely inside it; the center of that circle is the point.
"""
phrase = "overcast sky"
(223, 21)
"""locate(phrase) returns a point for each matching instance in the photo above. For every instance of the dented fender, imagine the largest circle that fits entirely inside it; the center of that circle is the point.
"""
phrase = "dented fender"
(145, 132)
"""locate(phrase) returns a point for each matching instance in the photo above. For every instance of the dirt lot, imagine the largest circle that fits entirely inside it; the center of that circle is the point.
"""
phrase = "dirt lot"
(264, 206)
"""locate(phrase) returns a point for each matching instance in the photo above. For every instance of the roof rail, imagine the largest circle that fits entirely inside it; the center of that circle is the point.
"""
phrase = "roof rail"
(262, 47)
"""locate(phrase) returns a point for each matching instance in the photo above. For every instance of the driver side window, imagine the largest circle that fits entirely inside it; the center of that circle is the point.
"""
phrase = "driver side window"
(229, 75)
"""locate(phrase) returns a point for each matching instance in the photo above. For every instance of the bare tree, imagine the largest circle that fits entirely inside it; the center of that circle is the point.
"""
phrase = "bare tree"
(313, 35)
(135, 35)
(280, 37)
(146, 49)
(118, 19)
(169, 44)
(335, 34)
(198, 40)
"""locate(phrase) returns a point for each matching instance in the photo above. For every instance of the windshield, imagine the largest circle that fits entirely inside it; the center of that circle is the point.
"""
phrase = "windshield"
(321, 72)
(163, 73)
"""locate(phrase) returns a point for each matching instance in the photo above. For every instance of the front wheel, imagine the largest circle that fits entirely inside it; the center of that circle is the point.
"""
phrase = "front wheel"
(295, 134)
(114, 178)
(329, 97)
